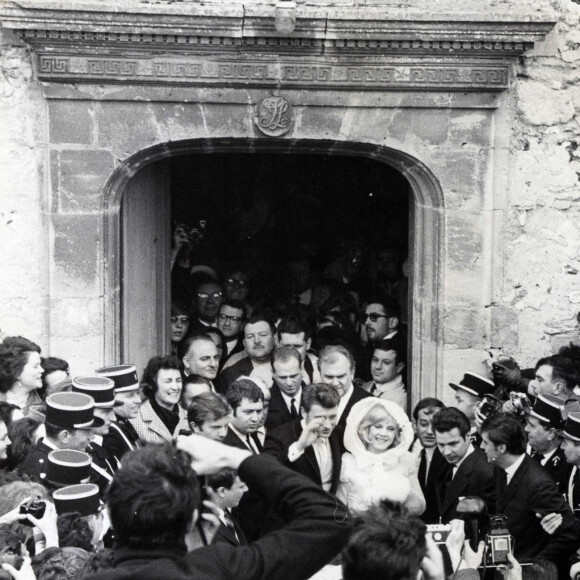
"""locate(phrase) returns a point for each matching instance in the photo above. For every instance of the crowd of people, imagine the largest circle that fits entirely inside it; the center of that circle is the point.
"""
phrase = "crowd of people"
(273, 440)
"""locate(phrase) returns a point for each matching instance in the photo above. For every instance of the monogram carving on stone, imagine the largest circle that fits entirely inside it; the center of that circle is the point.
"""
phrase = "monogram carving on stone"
(274, 116)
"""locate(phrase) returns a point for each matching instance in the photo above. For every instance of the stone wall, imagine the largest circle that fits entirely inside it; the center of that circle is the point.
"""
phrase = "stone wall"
(541, 288)
(509, 177)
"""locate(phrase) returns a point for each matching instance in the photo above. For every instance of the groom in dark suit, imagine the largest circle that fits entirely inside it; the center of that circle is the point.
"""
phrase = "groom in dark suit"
(311, 446)
(471, 474)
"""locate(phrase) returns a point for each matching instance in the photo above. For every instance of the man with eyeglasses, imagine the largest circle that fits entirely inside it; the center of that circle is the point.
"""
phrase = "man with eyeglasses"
(206, 302)
(380, 320)
(237, 286)
(230, 318)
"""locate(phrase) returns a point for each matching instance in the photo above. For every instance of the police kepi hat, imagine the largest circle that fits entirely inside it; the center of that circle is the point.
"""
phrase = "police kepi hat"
(101, 389)
(82, 498)
(71, 411)
(124, 376)
(475, 384)
(571, 428)
(68, 467)
(549, 409)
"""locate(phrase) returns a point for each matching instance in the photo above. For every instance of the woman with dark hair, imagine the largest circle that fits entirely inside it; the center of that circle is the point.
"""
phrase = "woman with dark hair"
(20, 373)
(160, 417)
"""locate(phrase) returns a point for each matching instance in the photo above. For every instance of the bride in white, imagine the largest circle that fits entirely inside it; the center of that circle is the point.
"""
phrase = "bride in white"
(377, 464)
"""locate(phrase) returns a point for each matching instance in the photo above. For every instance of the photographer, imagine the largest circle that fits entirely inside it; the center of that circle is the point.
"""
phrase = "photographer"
(526, 491)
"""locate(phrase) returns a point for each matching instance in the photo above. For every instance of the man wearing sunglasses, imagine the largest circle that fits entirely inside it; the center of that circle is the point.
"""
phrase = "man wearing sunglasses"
(380, 320)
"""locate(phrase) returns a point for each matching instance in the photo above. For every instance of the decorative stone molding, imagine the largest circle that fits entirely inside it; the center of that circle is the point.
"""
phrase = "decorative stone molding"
(294, 73)
(237, 45)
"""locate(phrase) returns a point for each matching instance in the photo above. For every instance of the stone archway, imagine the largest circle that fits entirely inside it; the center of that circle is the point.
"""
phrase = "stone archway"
(426, 243)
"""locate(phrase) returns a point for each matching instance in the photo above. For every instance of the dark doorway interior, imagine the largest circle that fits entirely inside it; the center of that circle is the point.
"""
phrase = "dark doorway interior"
(261, 209)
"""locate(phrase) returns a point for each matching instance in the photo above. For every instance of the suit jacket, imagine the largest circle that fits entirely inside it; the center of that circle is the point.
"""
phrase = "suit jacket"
(121, 438)
(474, 477)
(251, 511)
(532, 491)
(356, 395)
(437, 472)
(558, 469)
(316, 532)
(227, 535)
(230, 374)
(238, 347)
(278, 412)
(279, 440)
(151, 429)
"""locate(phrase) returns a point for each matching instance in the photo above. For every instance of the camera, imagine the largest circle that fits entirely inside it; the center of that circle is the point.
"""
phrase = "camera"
(488, 406)
(35, 508)
(498, 541)
(439, 532)
(521, 403)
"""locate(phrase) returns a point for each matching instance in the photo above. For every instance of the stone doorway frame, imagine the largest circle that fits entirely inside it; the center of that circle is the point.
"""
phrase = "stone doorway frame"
(425, 243)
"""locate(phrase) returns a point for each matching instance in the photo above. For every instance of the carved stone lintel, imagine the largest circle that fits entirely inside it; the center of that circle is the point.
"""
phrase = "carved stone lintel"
(171, 69)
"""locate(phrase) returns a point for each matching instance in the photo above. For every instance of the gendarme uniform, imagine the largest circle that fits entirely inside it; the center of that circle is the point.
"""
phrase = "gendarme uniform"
(70, 411)
(549, 410)
(122, 436)
(101, 389)
(571, 432)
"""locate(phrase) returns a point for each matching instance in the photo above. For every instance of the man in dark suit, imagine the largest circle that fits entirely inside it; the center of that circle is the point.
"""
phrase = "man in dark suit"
(571, 448)
(471, 474)
(286, 391)
(432, 464)
(525, 492)
(225, 489)
(542, 424)
(258, 338)
(337, 368)
(316, 532)
(310, 445)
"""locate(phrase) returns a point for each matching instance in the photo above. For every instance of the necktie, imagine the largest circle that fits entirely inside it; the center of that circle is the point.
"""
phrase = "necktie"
(257, 442)
(374, 389)
(539, 457)
(423, 468)
(293, 411)
(249, 444)
(230, 524)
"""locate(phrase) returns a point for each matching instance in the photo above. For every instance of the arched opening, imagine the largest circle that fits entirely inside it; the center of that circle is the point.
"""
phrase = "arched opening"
(147, 176)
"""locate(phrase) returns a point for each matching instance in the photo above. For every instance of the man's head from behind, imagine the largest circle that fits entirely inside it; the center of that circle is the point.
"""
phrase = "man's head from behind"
(153, 497)
(386, 543)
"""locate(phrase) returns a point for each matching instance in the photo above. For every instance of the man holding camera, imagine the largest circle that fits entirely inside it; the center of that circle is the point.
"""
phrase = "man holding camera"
(526, 493)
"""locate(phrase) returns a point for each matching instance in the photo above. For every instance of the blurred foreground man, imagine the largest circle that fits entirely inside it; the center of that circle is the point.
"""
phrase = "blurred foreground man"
(154, 501)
